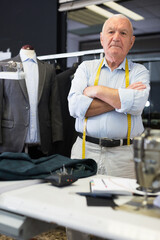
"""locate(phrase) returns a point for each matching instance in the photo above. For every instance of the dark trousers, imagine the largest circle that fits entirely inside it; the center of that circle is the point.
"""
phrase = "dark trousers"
(34, 151)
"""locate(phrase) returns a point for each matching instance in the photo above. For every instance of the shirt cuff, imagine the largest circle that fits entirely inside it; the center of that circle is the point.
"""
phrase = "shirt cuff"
(83, 106)
(126, 98)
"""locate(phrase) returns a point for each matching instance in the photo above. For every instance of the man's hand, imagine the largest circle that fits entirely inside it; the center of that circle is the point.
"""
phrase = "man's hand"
(137, 86)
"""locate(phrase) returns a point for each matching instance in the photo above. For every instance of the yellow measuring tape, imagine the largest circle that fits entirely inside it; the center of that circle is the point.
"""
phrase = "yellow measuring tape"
(128, 115)
(85, 120)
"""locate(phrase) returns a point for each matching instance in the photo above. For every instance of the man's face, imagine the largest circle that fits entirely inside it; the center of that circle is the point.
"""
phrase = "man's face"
(116, 38)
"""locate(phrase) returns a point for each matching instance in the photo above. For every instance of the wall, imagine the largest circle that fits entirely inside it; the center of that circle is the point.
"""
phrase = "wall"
(28, 22)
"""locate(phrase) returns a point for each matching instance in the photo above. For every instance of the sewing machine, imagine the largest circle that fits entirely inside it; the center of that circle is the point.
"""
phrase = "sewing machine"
(147, 160)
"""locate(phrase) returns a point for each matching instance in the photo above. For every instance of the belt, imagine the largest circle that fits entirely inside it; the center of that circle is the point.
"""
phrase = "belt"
(106, 142)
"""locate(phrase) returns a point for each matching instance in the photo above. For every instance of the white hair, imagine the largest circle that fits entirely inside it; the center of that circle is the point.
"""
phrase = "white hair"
(118, 16)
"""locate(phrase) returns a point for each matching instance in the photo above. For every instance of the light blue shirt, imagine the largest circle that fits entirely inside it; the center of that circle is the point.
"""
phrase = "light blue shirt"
(30, 67)
(112, 124)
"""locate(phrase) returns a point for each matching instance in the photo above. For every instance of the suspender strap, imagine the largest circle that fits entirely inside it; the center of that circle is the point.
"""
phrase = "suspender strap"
(128, 115)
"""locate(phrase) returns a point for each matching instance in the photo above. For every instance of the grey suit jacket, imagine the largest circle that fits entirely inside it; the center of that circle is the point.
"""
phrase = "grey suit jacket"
(14, 111)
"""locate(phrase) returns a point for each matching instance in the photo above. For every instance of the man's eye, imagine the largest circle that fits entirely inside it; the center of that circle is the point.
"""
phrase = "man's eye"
(111, 32)
(123, 33)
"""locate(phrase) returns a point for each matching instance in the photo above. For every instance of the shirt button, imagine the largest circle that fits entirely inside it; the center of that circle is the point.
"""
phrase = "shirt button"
(27, 108)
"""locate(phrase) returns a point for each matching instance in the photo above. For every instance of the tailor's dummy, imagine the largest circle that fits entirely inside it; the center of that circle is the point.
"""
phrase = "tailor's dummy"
(30, 111)
(28, 50)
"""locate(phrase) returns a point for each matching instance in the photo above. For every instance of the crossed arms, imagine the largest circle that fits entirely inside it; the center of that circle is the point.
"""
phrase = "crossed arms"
(106, 99)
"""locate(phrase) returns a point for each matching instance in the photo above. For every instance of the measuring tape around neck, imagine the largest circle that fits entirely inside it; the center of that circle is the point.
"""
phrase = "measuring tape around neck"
(128, 115)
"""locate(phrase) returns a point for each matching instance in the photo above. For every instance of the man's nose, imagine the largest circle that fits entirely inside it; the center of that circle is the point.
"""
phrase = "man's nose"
(116, 36)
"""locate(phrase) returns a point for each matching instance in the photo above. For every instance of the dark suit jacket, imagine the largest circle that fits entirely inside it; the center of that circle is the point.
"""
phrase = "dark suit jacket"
(11, 165)
(64, 80)
(14, 111)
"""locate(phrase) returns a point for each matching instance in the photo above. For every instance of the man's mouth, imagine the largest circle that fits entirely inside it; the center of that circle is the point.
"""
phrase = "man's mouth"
(115, 46)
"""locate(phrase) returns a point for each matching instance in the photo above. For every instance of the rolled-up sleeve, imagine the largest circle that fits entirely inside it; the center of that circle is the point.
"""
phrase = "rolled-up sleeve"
(133, 101)
(79, 103)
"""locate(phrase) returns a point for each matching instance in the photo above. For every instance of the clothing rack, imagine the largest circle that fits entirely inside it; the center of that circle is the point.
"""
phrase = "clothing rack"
(72, 54)
(143, 57)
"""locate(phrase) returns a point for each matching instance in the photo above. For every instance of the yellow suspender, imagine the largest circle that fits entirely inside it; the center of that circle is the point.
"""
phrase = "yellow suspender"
(128, 115)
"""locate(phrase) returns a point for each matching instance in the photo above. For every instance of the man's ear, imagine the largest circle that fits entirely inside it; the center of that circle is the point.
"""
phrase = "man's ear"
(132, 41)
(101, 39)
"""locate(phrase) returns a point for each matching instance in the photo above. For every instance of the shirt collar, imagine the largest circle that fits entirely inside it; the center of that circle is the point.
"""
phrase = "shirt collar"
(25, 58)
(121, 66)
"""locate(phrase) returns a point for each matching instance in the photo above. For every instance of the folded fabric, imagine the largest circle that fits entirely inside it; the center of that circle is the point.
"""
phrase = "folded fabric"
(19, 166)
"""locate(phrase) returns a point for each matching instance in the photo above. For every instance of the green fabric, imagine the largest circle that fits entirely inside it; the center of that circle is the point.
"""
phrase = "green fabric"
(19, 166)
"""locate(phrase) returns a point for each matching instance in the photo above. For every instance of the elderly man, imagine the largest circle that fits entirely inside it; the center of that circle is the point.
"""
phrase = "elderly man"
(107, 98)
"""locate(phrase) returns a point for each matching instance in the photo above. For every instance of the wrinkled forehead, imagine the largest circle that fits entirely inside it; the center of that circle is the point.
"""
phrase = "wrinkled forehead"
(118, 24)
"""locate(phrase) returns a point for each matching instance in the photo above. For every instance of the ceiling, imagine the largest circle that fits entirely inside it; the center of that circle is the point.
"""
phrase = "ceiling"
(89, 23)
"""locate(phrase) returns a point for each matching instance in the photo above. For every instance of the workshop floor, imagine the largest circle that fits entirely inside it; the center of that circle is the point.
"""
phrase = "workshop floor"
(57, 234)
